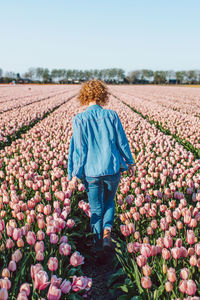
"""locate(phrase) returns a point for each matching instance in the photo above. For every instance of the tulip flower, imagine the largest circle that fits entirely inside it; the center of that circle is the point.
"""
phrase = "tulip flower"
(54, 293)
(53, 264)
(76, 259)
(146, 282)
(41, 280)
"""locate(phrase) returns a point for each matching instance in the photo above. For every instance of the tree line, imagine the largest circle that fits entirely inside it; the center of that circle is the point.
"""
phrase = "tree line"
(44, 75)
(162, 77)
(111, 75)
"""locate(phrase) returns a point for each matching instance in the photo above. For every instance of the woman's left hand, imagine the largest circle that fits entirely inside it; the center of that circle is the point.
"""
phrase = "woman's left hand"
(131, 170)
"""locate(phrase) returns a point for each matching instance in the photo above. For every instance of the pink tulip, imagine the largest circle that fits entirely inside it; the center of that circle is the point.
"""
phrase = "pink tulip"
(65, 249)
(81, 187)
(88, 284)
(168, 286)
(40, 235)
(168, 241)
(178, 243)
(9, 243)
(154, 224)
(176, 252)
(145, 250)
(26, 288)
(130, 247)
(39, 256)
(64, 239)
(76, 259)
(3, 294)
(184, 273)
(55, 280)
(54, 238)
(193, 260)
(47, 196)
(16, 234)
(35, 269)
(12, 266)
(125, 230)
(172, 230)
(17, 256)
(41, 280)
(146, 270)
(31, 238)
(190, 237)
(146, 282)
(9, 230)
(131, 228)
(39, 246)
(79, 283)
(47, 209)
(2, 225)
(171, 275)
(183, 286)
(54, 293)
(176, 213)
(65, 286)
(53, 264)
(70, 223)
(184, 252)
(60, 195)
(41, 223)
(165, 254)
(197, 249)
(22, 296)
(191, 287)
(5, 283)
(141, 260)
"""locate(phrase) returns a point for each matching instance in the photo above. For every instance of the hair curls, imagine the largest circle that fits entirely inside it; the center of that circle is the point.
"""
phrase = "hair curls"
(93, 90)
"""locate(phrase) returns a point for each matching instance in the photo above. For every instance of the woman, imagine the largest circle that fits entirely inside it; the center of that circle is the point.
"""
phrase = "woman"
(99, 152)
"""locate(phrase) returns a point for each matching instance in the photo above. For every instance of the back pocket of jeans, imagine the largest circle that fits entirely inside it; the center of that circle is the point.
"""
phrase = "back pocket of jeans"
(92, 179)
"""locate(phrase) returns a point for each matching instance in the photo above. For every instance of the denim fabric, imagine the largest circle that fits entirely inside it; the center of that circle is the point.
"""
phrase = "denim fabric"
(101, 193)
(99, 145)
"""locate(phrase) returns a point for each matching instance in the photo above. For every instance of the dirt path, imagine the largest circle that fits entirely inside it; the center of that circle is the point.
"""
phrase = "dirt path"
(100, 274)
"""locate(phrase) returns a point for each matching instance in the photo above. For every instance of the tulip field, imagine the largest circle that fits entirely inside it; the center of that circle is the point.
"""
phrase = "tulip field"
(44, 217)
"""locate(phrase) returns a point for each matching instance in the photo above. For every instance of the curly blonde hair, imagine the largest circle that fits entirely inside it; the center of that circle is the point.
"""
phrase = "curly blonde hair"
(93, 90)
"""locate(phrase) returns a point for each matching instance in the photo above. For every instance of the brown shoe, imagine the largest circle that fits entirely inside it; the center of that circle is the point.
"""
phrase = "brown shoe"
(106, 239)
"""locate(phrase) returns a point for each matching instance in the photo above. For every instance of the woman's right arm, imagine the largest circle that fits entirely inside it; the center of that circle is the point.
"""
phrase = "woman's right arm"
(70, 158)
(122, 141)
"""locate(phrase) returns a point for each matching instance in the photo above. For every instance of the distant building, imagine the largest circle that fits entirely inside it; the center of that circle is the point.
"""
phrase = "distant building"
(174, 81)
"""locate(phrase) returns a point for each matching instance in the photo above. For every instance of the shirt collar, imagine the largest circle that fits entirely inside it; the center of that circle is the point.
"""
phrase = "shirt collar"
(92, 107)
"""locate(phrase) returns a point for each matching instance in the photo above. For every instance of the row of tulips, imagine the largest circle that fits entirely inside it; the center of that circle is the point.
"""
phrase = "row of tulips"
(39, 258)
(12, 121)
(17, 96)
(178, 98)
(184, 125)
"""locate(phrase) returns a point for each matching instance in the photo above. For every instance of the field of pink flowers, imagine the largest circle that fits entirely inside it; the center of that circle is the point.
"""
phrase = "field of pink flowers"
(44, 217)
(175, 109)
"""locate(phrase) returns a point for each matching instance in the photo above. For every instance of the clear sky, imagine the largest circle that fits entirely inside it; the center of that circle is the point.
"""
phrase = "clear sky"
(88, 34)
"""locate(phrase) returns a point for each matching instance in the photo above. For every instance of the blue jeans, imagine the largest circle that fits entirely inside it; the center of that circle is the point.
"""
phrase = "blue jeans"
(101, 194)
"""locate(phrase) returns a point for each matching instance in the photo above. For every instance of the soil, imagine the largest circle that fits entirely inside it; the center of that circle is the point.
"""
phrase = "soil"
(100, 270)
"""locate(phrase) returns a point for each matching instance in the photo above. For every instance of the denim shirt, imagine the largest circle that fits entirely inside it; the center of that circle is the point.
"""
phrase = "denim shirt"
(99, 145)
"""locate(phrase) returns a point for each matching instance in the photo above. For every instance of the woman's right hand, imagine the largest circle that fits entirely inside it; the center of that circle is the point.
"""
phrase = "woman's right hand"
(131, 170)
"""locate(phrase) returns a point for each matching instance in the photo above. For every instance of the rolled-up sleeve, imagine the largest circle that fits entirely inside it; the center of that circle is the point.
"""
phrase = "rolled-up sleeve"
(122, 141)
